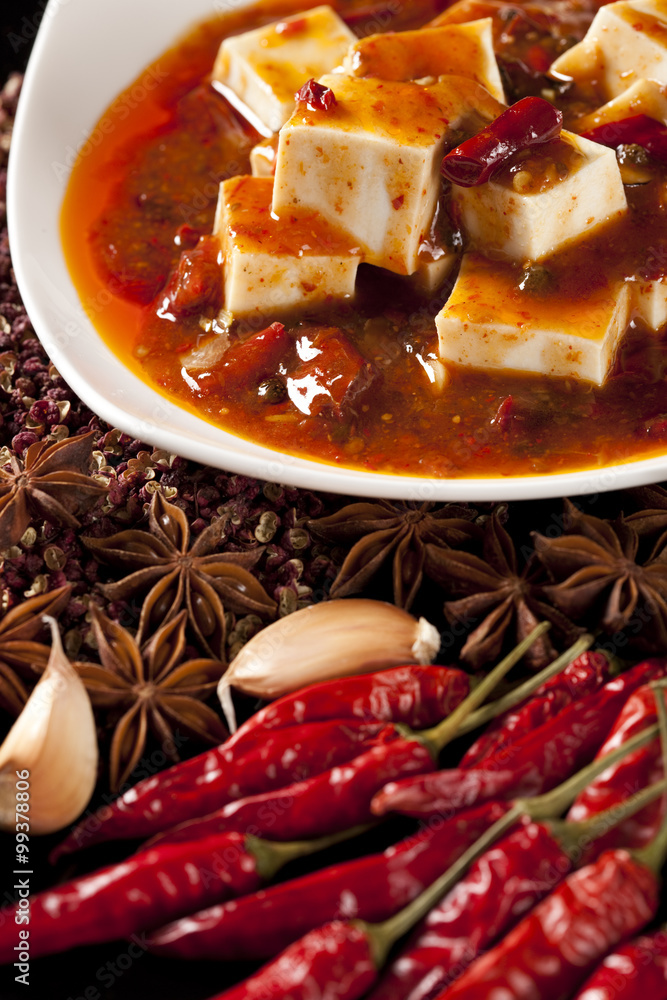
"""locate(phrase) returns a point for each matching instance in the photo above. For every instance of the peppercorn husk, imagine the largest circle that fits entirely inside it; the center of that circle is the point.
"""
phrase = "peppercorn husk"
(328, 640)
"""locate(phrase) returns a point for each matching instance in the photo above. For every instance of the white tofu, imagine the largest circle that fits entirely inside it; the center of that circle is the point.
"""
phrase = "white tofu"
(644, 97)
(649, 300)
(267, 66)
(627, 41)
(458, 49)
(270, 266)
(434, 265)
(527, 221)
(371, 164)
(263, 157)
(489, 323)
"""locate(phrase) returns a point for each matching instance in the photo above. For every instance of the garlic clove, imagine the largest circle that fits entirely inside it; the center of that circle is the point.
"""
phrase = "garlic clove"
(55, 741)
(332, 639)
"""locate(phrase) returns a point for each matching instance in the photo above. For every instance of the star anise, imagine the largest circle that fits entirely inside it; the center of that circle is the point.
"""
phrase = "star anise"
(163, 565)
(22, 658)
(50, 483)
(651, 521)
(598, 577)
(402, 531)
(153, 690)
(495, 590)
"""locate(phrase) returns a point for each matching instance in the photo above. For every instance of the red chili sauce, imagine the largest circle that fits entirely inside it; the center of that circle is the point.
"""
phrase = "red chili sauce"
(144, 196)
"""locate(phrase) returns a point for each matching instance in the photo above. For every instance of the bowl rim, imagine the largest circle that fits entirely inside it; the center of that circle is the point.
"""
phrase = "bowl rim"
(55, 118)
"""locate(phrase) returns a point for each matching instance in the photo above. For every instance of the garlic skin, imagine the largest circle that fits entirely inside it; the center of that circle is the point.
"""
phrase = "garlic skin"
(328, 640)
(55, 740)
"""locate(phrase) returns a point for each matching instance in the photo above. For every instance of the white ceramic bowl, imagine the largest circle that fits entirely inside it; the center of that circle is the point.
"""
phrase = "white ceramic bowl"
(86, 52)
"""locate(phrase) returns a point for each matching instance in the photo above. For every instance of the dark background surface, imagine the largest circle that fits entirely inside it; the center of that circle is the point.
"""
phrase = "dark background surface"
(18, 26)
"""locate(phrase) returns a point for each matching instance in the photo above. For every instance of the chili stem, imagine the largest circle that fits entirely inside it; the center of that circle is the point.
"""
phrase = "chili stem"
(437, 738)
(653, 856)
(488, 712)
(272, 856)
(571, 836)
(556, 801)
(383, 936)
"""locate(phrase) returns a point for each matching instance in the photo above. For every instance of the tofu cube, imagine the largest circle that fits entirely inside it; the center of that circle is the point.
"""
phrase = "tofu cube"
(264, 68)
(434, 266)
(543, 200)
(489, 323)
(371, 164)
(271, 267)
(458, 49)
(645, 97)
(649, 300)
(263, 157)
(626, 42)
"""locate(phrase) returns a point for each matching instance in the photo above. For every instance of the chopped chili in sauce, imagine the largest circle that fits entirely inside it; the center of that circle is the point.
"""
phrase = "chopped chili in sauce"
(136, 227)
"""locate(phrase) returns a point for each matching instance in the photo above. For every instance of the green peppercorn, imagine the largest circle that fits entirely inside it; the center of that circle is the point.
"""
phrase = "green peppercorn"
(535, 280)
(632, 153)
(273, 390)
(634, 164)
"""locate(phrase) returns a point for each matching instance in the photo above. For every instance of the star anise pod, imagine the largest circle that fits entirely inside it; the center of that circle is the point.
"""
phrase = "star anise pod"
(172, 573)
(599, 579)
(22, 658)
(51, 483)
(401, 531)
(153, 690)
(651, 521)
(495, 593)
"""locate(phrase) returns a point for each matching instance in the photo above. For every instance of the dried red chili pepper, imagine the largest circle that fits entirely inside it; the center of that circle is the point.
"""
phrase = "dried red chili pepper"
(316, 96)
(327, 962)
(582, 677)
(539, 59)
(258, 926)
(328, 802)
(197, 280)
(529, 122)
(136, 895)
(644, 767)
(261, 925)
(340, 961)
(333, 375)
(341, 797)
(506, 882)
(638, 130)
(533, 764)
(417, 696)
(552, 950)
(334, 962)
(636, 971)
(247, 363)
(503, 885)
